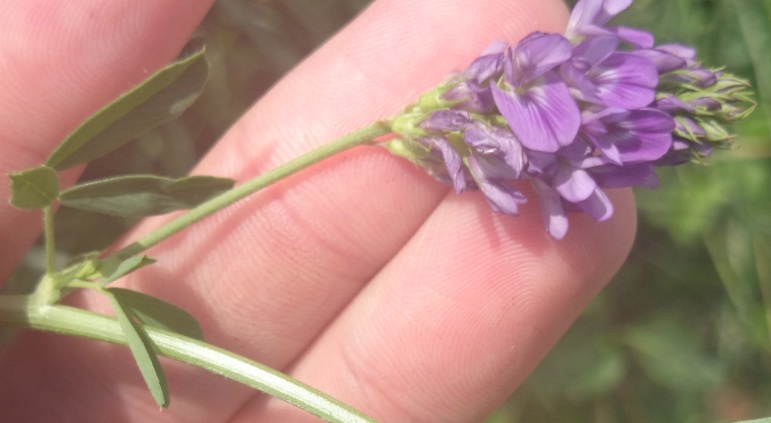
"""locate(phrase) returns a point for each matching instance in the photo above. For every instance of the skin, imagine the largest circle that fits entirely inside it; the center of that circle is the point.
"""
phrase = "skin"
(361, 276)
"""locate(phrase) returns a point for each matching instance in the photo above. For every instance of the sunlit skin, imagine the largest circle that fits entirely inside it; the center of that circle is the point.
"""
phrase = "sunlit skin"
(363, 276)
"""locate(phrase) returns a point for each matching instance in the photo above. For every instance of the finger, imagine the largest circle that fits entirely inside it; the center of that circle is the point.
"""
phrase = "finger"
(60, 62)
(460, 316)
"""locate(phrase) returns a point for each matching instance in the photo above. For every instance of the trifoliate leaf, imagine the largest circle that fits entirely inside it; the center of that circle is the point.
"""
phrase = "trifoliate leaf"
(161, 97)
(143, 195)
(142, 349)
(34, 188)
(155, 312)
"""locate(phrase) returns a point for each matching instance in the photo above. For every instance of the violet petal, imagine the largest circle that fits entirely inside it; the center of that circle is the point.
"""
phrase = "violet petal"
(537, 54)
(626, 80)
(552, 212)
(574, 184)
(598, 206)
(503, 198)
(544, 118)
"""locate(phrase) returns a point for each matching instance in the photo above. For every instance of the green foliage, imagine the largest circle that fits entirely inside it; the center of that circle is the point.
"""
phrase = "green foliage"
(143, 195)
(114, 270)
(35, 188)
(154, 312)
(163, 96)
(142, 349)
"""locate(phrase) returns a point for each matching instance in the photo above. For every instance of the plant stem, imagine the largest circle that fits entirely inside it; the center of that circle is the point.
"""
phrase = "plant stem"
(353, 139)
(21, 311)
(50, 242)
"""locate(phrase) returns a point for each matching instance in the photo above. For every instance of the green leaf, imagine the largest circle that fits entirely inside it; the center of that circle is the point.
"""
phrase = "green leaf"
(143, 350)
(115, 270)
(154, 312)
(143, 195)
(34, 188)
(163, 96)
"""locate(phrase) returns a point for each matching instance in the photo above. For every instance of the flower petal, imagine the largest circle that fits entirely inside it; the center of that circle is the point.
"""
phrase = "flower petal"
(499, 142)
(574, 184)
(453, 161)
(595, 49)
(537, 54)
(446, 120)
(611, 176)
(488, 64)
(503, 198)
(634, 36)
(648, 135)
(552, 212)
(588, 13)
(626, 80)
(598, 206)
(665, 62)
(544, 118)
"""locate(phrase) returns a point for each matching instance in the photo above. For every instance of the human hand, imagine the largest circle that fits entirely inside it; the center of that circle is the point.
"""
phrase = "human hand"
(361, 276)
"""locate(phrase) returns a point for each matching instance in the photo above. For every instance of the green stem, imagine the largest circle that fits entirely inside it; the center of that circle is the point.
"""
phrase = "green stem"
(21, 311)
(353, 139)
(50, 242)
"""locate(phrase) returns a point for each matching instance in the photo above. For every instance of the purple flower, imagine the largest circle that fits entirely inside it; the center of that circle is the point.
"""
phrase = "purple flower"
(599, 74)
(628, 136)
(533, 99)
(564, 182)
(574, 116)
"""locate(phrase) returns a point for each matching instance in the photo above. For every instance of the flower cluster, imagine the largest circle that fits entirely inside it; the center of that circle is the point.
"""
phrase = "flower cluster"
(595, 108)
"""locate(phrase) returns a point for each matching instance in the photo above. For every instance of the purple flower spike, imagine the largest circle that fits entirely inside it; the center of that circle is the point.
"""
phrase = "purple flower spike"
(598, 108)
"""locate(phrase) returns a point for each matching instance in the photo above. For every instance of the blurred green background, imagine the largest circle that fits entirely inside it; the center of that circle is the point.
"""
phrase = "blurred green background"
(682, 334)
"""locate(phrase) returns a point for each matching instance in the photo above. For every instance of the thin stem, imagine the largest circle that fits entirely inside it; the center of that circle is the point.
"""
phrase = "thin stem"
(353, 139)
(21, 311)
(50, 242)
